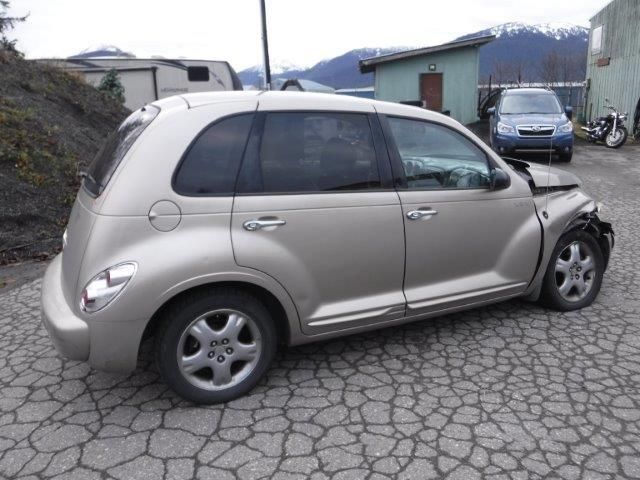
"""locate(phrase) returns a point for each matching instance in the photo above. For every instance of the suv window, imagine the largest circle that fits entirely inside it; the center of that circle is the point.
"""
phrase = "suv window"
(434, 156)
(115, 148)
(315, 151)
(211, 163)
(529, 103)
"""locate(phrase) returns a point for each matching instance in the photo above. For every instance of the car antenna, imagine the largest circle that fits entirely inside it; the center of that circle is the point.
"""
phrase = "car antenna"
(545, 212)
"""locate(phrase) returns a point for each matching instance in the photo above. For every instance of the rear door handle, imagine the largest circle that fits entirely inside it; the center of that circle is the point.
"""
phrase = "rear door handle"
(253, 225)
(418, 214)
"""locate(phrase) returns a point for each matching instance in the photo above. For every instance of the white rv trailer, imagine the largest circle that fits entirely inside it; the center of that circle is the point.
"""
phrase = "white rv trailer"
(147, 80)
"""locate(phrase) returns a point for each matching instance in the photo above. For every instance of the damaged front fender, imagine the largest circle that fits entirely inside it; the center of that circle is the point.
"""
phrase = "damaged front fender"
(602, 231)
(559, 213)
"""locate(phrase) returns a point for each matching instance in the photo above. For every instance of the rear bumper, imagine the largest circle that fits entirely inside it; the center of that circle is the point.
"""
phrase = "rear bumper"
(69, 334)
(107, 345)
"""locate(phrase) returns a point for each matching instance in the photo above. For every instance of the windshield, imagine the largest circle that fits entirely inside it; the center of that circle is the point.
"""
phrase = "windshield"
(530, 103)
(115, 147)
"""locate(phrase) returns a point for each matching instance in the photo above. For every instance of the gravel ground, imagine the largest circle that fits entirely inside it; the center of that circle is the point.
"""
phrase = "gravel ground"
(507, 391)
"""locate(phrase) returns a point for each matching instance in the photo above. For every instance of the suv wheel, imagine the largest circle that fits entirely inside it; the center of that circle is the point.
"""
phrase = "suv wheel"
(565, 157)
(574, 274)
(215, 347)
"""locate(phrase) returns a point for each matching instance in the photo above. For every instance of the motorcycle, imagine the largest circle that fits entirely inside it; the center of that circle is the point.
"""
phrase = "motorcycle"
(609, 129)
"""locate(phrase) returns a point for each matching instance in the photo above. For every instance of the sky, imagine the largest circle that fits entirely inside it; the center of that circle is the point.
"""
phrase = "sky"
(301, 32)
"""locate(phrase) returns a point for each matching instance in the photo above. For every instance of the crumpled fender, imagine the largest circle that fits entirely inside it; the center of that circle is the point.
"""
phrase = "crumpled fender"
(562, 212)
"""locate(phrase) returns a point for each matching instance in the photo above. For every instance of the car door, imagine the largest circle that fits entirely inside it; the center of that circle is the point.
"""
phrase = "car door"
(316, 210)
(466, 243)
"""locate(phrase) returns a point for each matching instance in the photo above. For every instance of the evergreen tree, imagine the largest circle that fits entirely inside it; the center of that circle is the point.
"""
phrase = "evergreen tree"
(111, 85)
(6, 24)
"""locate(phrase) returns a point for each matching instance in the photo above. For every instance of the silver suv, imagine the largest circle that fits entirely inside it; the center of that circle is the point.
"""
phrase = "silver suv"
(226, 223)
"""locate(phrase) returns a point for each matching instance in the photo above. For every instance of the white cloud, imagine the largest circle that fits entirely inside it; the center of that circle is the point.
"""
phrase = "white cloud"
(301, 31)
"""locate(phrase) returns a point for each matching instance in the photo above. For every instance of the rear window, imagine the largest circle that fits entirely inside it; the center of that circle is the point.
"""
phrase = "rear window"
(211, 164)
(115, 148)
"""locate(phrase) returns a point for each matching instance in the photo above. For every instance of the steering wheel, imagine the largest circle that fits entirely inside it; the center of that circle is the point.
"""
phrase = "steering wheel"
(464, 174)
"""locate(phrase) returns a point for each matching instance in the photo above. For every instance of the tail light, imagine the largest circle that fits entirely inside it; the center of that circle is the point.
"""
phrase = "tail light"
(106, 286)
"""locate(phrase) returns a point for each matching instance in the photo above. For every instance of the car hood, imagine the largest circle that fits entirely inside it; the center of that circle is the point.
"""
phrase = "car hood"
(534, 119)
(542, 175)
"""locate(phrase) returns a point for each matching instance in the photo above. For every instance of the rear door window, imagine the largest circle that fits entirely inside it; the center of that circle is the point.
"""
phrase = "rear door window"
(314, 152)
(211, 163)
(114, 149)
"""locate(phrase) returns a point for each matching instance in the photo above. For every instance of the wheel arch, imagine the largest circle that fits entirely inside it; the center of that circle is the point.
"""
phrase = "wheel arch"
(591, 223)
(285, 325)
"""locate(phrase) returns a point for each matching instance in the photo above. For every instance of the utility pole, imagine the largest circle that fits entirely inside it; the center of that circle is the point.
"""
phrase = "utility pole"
(265, 47)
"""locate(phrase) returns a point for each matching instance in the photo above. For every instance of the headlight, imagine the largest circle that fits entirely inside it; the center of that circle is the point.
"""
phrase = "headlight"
(504, 128)
(624, 116)
(105, 286)
(566, 128)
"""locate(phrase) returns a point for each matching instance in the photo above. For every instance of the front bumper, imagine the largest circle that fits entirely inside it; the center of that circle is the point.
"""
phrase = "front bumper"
(69, 334)
(560, 143)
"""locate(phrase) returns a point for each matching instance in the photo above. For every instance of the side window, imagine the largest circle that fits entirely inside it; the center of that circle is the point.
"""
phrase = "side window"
(435, 157)
(314, 152)
(198, 74)
(211, 164)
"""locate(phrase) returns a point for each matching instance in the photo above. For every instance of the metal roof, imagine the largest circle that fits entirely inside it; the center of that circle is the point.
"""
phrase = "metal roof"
(369, 64)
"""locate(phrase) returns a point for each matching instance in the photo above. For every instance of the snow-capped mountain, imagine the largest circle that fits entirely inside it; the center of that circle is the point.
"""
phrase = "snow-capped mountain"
(277, 67)
(557, 30)
(103, 51)
(523, 48)
(518, 47)
(338, 72)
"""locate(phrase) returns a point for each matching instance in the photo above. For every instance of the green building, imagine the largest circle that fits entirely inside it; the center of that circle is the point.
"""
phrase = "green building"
(443, 78)
(613, 58)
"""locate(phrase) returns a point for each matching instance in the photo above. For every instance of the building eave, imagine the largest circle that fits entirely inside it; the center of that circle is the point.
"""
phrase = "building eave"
(369, 64)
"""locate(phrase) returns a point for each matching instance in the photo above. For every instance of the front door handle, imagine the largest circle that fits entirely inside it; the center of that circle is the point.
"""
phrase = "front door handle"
(253, 225)
(418, 214)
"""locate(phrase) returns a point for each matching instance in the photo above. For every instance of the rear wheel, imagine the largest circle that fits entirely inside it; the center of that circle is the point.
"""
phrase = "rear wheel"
(215, 346)
(615, 139)
(574, 274)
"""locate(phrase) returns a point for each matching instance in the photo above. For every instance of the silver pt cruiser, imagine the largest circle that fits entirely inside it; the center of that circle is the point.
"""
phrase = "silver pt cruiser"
(226, 223)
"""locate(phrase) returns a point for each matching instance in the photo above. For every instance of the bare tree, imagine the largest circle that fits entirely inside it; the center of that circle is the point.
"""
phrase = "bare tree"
(551, 68)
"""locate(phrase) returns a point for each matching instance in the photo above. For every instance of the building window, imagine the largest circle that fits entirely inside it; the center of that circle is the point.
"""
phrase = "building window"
(198, 74)
(596, 40)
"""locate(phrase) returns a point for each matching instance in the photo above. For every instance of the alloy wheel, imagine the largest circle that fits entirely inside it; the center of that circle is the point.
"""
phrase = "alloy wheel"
(575, 271)
(219, 349)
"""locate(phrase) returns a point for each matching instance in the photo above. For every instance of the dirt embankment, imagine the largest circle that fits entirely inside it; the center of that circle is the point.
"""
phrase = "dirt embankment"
(51, 125)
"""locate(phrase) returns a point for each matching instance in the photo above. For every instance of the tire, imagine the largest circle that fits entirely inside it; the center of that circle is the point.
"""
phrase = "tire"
(564, 264)
(565, 157)
(240, 338)
(620, 141)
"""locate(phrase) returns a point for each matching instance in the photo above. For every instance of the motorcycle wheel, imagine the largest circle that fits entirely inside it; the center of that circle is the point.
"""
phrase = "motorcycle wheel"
(616, 139)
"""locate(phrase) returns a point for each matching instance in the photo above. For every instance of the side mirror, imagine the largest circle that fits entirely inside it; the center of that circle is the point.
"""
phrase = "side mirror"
(491, 111)
(499, 179)
(569, 111)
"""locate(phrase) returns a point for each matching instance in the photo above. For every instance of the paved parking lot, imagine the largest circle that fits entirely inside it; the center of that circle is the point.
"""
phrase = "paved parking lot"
(507, 391)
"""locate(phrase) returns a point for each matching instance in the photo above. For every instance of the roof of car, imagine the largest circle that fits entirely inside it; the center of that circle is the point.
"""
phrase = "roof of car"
(524, 91)
(288, 100)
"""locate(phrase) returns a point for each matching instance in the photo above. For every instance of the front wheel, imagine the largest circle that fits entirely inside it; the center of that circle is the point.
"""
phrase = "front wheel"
(574, 274)
(615, 139)
(565, 157)
(216, 345)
